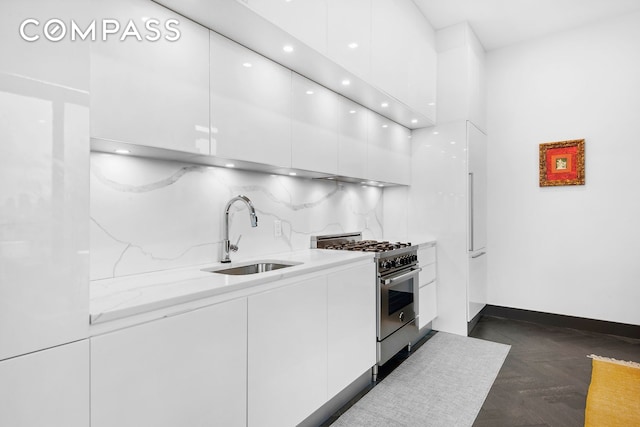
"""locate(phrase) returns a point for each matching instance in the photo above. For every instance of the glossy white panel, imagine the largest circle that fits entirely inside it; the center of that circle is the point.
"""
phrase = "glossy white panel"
(46, 388)
(44, 192)
(250, 105)
(304, 20)
(422, 67)
(477, 158)
(352, 325)
(352, 139)
(151, 93)
(188, 369)
(426, 256)
(314, 127)
(438, 207)
(388, 151)
(477, 286)
(428, 305)
(349, 35)
(287, 367)
(170, 214)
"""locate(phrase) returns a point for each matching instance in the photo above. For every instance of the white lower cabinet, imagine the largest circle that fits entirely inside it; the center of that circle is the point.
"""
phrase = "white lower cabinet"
(185, 370)
(307, 342)
(287, 353)
(427, 304)
(46, 388)
(352, 325)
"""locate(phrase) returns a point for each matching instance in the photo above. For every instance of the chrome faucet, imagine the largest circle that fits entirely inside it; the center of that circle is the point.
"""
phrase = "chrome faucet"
(226, 244)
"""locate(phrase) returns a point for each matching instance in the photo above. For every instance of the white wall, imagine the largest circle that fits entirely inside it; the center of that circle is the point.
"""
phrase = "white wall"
(150, 215)
(569, 250)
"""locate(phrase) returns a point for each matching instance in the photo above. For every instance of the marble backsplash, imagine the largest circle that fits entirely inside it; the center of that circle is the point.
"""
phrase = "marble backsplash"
(150, 215)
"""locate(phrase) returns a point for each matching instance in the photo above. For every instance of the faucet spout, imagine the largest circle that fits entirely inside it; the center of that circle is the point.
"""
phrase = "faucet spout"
(226, 244)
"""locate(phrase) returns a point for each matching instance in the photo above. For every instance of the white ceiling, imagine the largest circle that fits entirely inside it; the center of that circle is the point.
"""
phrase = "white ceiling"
(499, 23)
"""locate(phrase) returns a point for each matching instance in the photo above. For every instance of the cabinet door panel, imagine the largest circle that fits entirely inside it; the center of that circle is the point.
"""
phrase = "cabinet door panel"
(352, 325)
(388, 151)
(349, 35)
(287, 353)
(352, 139)
(188, 369)
(477, 143)
(477, 287)
(151, 93)
(427, 303)
(314, 131)
(46, 388)
(250, 105)
(305, 20)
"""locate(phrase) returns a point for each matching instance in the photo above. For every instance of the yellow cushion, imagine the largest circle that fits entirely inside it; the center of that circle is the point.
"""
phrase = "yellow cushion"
(614, 393)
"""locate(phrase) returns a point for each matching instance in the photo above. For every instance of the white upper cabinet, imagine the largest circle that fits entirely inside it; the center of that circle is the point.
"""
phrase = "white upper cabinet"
(388, 151)
(352, 139)
(349, 35)
(153, 93)
(403, 55)
(389, 54)
(314, 129)
(250, 105)
(305, 20)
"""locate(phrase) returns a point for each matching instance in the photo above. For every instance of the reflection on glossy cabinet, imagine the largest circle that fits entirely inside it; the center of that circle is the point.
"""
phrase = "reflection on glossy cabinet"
(151, 93)
(388, 151)
(305, 20)
(250, 105)
(46, 388)
(189, 369)
(349, 35)
(287, 353)
(477, 285)
(352, 325)
(314, 128)
(352, 139)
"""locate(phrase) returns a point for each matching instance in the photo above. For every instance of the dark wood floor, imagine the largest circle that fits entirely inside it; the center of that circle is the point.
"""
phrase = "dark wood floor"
(545, 377)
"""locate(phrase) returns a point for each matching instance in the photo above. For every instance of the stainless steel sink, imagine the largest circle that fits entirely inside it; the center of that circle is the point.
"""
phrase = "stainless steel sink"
(253, 268)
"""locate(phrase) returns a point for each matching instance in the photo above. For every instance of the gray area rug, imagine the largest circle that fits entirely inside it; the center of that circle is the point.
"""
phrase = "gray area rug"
(443, 384)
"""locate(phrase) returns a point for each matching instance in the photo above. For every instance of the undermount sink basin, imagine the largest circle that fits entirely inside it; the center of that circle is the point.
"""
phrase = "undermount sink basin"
(253, 268)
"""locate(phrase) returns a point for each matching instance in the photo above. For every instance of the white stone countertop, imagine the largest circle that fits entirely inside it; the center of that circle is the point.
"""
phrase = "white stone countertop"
(121, 297)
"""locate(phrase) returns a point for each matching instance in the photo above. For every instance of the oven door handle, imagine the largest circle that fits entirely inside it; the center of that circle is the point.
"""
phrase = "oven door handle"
(401, 277)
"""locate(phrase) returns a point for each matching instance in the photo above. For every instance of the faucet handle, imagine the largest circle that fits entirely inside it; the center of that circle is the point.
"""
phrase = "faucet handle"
(234, 247)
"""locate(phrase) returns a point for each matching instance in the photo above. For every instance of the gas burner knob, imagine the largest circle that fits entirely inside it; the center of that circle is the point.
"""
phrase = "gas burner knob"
(385, 264)
(414, 257)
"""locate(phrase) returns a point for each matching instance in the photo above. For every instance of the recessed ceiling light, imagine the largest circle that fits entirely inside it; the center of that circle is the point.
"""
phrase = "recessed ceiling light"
(122, 151)
(384, 104)
(353, 45)
(309, 92)
(436, 132)
(331, 177)
(287, 48)
(230, 165)
(346, 82)
(352, 111)
(453, 142)
(380, 185)
(292, 173)
(247, 64)
(431, 104)
(414, 120)
(385, 126)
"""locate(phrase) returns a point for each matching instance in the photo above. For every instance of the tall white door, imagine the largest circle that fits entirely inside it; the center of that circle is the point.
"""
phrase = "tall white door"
(477, 155)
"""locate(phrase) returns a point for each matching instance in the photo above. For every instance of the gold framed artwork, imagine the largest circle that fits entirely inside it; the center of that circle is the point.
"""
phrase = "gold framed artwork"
(562, 163)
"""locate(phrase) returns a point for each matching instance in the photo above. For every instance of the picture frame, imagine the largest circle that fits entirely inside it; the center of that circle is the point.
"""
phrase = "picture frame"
(562, 163)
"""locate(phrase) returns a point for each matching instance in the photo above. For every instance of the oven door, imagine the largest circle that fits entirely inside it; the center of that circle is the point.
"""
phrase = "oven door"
(398, 300)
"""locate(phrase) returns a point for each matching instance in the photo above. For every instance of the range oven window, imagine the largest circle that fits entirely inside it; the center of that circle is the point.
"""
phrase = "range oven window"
(400, 296)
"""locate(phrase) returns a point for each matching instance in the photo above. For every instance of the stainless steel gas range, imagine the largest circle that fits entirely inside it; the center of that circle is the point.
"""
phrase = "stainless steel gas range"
(397, 271)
